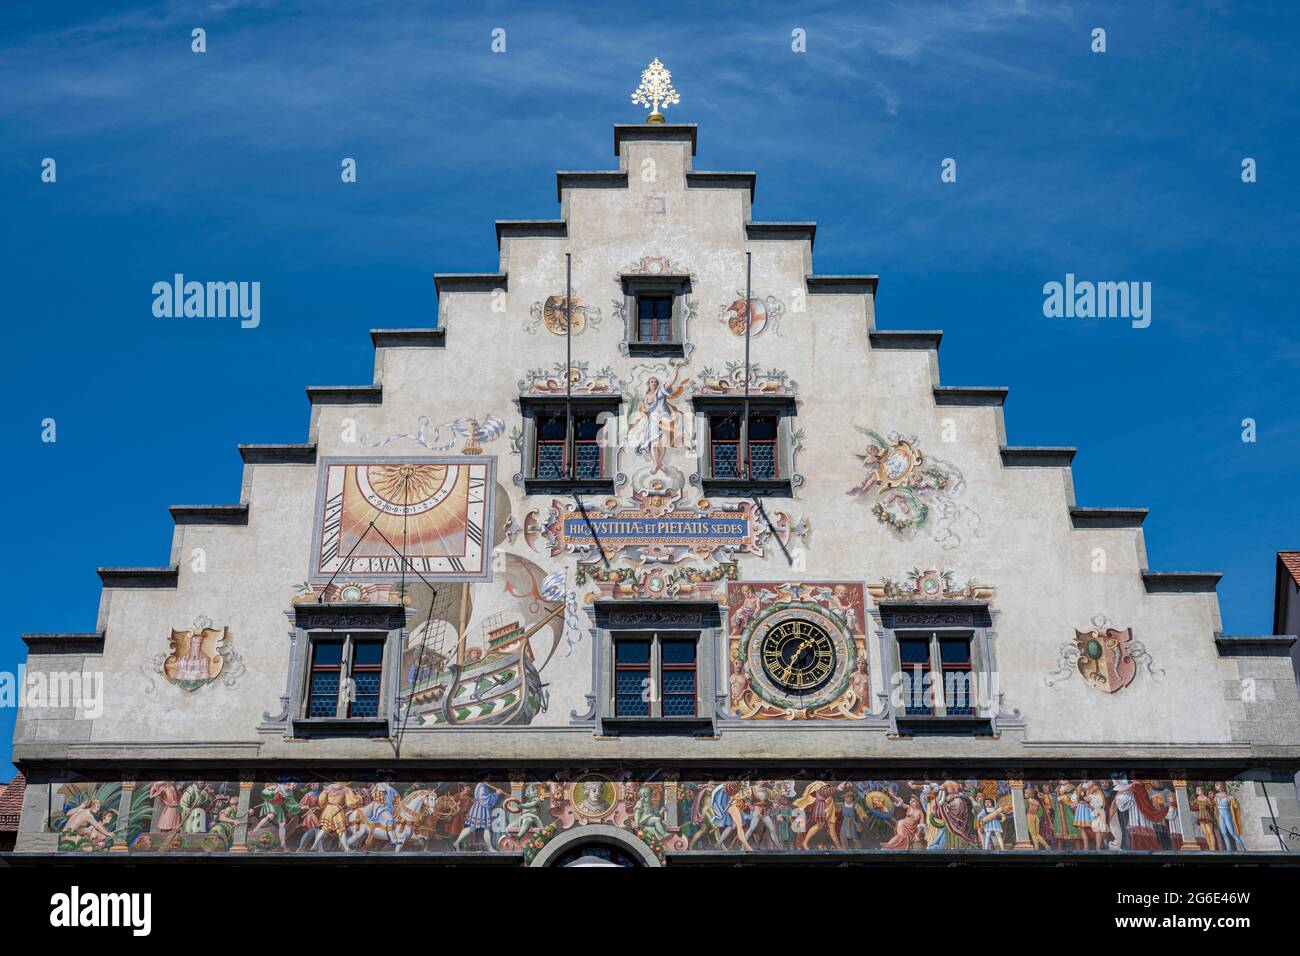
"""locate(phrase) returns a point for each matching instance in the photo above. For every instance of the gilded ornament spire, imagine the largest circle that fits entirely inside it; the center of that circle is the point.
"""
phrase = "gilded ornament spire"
(656, 88)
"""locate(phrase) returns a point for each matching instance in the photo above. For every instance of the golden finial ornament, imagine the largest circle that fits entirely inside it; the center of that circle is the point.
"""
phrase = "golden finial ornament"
(656, 88)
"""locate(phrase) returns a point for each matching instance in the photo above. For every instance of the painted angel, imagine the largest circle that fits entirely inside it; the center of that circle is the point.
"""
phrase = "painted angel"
(658, 420)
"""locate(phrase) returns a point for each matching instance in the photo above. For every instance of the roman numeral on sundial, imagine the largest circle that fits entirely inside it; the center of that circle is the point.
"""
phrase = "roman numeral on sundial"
(476, 486)
(331, 536)
(475, 533)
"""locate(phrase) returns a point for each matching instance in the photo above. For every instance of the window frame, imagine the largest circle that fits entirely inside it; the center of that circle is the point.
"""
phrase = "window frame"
(654, 670)
(698, 621)
(934, 622)
(672, 286)
(784, 410)
(343, 716)
(533, 407)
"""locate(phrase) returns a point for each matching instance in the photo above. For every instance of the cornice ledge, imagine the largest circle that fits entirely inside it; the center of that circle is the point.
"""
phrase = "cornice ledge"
(210, 514)
(345, 394)
(920, 339)
(140, 577)
(1037, 456)
(426, 338)
(278, 454)
(1181, 582)
(990, 395)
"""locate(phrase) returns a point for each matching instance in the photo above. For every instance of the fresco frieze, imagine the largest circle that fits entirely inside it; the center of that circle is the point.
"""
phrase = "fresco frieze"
(520, 813)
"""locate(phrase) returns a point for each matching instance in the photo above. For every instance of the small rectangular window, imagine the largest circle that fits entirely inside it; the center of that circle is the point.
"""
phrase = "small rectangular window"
(345, 677)
(729, 459)
(656, 675)
(654, 315)
(678, 666)
(367, 677)
(569, 446)
(632, 678)
(914, 664)
(958, 694)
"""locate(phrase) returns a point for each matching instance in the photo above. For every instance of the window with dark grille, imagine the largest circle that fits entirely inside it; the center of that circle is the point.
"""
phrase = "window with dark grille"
(367, 677)
(678, 665)
(568, 447)
(954, 657)
(345, 677)
(654, 318)
(632, 677)
(725, 445)
(326, 679)
(914, 664)
(552, 444)
(656, 674)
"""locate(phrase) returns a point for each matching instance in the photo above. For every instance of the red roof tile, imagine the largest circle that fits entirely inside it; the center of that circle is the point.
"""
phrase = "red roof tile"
(1291, 561)
(11, 802)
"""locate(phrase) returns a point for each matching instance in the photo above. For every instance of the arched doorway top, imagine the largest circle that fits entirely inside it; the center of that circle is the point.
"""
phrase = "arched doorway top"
(595, 833)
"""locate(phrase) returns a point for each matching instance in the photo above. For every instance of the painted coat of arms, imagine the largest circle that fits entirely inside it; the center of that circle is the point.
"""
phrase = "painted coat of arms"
(198, 656)
(1105, 661)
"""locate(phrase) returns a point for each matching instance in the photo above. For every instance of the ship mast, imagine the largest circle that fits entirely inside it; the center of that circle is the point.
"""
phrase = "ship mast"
(460, 643)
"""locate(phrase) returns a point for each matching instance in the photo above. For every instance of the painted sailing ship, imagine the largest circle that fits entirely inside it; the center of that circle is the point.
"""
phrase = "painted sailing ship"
(496, 682)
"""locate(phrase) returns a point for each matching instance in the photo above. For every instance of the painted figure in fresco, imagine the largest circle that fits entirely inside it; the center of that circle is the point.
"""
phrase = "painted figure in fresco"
(646, 815)
(1136, 816)
(728, 805)
(194, 804)
(689, 824)
(907, 831)
(760, 799)
(337, 800)
(991, 825)
(738, 682)
(84, 823)
(1229, 814)
(309, 822)
(166, 792)
(530, 811)
(850, 818)
(841, 602)
(657, 425)
(1206, 817)
(1037, 813)
(1097, 811)
(593, 803)
(749, 606)
(278, 804)
(860, 685)
(225, 813)
(1063, 821)
(948, 817)
(479, 819)
(1163, 801)
(818, 805)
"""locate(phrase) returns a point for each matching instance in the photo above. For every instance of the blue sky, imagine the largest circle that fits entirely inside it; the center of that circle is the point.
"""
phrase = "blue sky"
(1124, 166)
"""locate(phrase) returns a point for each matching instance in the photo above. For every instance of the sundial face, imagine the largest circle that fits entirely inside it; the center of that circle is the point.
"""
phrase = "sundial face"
(435, 511)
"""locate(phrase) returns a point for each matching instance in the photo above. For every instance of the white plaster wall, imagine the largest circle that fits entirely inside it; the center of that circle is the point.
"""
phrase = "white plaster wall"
(1025, 546)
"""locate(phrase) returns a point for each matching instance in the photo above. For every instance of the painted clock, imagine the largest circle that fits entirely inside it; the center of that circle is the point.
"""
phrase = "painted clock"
(435, 511)
(798, 655)
(799, 658)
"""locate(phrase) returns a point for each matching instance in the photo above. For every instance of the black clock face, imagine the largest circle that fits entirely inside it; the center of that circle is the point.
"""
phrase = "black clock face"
(798, 656)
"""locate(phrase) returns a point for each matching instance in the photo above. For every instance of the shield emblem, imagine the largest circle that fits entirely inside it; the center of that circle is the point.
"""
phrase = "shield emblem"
(196, 658)
(1104, 659)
